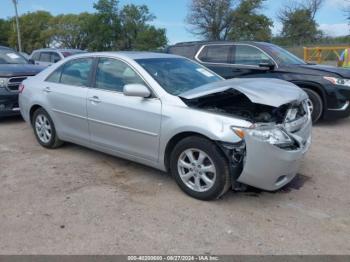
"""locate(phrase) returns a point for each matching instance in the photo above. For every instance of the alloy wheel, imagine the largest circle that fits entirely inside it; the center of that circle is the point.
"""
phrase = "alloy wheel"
(197, 170)
(43, 128)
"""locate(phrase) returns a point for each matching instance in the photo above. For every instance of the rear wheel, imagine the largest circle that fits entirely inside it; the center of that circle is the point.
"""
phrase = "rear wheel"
(200, 168)
(44, 129)
(315, 105)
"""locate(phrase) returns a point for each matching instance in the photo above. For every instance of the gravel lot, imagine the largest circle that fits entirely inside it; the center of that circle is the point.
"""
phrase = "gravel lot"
(77, 201)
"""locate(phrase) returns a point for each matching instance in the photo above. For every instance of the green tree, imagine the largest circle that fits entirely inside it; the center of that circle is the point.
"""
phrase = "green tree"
(34, 31)
(347, 11)
(72, 31)
(248, 24)
(211, 19)
(229, 20)
(151, 38)
(105, 25)
(298, 23)
(136, 32)
(5, 31)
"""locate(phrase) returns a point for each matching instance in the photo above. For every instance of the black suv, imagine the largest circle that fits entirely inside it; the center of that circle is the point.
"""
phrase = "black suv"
(14, 68)
(328, 87)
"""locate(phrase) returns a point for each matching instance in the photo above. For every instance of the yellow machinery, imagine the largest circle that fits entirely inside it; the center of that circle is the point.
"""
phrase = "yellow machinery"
(321, 53)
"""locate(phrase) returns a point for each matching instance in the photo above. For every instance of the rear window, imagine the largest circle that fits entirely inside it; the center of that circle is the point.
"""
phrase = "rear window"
(186, 51)
(70, 53)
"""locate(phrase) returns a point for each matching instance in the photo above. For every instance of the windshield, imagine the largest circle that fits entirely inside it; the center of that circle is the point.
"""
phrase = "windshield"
(8, 56)
(178, 75)
(282, 56)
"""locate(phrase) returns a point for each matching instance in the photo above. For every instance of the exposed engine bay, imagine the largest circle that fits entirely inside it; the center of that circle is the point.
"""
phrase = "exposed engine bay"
(234, 103)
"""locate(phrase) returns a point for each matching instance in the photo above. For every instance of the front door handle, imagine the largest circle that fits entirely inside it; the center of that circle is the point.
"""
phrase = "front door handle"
(47, 90)
(95, 99)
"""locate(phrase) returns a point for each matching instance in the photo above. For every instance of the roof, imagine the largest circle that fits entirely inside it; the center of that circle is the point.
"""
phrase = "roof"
(136, 55)
(218, 42)
(58, 49)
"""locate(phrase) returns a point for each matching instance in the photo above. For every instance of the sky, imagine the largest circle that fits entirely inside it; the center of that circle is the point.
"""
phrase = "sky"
(171, 14)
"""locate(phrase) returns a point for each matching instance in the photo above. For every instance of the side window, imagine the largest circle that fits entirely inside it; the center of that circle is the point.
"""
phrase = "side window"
(248, 55)
(55, 76)
(216, 54)
(55, 57)
(113, 74)
(45, 57)
(36, 56)
(76, 72)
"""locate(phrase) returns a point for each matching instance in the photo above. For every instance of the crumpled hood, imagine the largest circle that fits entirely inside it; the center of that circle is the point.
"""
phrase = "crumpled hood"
(266, 91)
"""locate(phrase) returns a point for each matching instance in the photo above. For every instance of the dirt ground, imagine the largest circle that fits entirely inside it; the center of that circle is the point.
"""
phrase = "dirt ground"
(77, 201)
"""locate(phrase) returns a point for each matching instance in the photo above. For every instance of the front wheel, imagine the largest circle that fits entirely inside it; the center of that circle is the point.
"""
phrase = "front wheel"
(44, 129)
(200, 168)
(315, 105)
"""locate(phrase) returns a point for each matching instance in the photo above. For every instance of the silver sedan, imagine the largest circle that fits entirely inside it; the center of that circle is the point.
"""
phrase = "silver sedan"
(175, 115)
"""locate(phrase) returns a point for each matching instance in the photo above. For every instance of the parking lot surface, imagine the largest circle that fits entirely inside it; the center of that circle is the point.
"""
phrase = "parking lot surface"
(77, 201)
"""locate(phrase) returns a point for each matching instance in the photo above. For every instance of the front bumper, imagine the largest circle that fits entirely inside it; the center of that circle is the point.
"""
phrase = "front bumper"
(341, 112)
(8, 103)
(269, 167)
(338, 102)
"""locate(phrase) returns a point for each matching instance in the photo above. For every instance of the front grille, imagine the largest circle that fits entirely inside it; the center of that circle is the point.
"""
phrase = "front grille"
(14, 82)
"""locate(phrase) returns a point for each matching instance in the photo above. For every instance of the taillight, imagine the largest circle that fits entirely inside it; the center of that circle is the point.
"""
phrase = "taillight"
(21, 88)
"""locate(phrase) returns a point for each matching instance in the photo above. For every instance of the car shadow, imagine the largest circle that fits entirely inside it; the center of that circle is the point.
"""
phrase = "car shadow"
(121, 169)
(296, 184)
(333, 122)
(11, 119)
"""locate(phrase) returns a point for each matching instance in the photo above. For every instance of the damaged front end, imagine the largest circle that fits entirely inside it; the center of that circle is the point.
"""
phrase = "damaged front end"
(270, 151)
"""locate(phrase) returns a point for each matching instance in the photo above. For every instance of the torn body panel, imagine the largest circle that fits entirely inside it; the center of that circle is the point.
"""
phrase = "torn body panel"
(273, 92)
(265, 164)
(270, 167)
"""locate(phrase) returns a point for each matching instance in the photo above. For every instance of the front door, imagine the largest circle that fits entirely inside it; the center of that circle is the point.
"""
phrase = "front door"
(123, 124)
(246, 60)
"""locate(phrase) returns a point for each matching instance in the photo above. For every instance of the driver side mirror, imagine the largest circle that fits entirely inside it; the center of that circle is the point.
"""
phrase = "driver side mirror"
(267, 64)
(31, 61)
(137, 90)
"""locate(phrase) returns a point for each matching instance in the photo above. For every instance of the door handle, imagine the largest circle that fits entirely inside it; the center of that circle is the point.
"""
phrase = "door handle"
(47, 90)
(95, 99)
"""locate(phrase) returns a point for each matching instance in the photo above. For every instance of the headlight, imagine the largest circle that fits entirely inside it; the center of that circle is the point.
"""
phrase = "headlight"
(272, 135)
(338, 81)
(3, 82)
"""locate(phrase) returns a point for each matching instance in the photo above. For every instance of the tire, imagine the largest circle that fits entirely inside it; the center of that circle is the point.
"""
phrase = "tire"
(202, 170)
(316, 105)
(44, 130)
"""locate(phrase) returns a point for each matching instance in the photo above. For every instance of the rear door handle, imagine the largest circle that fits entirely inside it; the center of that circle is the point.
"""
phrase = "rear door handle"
(95, 99)
(47, 90)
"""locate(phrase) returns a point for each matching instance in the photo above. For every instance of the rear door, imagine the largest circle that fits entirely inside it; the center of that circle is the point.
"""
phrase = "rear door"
(66, 90)
(122, 124)
(217, 57)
